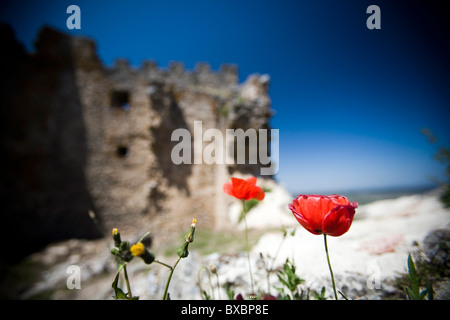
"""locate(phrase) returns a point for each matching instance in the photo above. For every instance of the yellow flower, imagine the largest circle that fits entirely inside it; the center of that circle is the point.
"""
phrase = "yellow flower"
(137, 249)
(115, 231)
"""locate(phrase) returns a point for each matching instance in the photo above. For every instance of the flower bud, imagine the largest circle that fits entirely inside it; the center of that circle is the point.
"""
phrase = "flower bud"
(183, 252)
(213, 269)
(124, 250)
(115, 251)
(124, 246)
(190, 235)
(148, 257)
(116, 237)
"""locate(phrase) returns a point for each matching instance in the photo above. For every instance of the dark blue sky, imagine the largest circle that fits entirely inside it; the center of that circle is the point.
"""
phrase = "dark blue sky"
(349, 101)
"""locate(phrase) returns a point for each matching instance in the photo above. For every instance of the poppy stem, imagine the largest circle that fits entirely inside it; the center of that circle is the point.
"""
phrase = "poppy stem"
(329, 266)
(246, 246)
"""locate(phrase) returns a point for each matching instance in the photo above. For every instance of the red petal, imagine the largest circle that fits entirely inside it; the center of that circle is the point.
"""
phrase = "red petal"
(240, 188)
(338, 199)
(339, 220)
(251, 181)
(244, 189)
(255, 192)
(258, 194)
(315, 208)
(300, 218)
(228, 188)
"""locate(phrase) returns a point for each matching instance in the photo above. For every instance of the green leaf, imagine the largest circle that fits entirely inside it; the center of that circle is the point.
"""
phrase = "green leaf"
(413, 291)
(412, 272)
(229, 290)
(282, 280)
(422, 294)
(430, 290)
(118, 293)
(288, 278)
(205, 295)
(409, 293)
(322, 294)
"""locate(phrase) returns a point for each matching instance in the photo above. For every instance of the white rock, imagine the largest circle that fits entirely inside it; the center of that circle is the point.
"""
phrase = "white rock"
(375, 248)
(270, 213)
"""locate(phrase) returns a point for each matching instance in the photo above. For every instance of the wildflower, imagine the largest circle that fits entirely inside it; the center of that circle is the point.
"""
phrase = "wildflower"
(137, 249)
(328, 215)
(331, 215)
(244, 189)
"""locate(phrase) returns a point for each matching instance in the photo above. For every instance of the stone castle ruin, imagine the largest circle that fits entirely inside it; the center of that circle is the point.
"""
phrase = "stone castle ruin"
(77, 136)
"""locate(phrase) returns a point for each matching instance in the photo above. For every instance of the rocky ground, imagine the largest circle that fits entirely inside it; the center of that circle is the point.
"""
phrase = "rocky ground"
(369, 261)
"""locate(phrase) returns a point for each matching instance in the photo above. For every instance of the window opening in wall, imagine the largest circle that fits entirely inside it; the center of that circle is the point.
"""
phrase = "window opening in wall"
(122, 151)
(120, 99)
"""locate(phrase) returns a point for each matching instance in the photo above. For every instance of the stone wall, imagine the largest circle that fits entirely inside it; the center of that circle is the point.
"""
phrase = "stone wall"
(80, 136)
(44, 146)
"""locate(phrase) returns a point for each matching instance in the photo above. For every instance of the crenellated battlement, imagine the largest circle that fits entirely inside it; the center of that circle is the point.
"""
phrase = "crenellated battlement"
(176, 73)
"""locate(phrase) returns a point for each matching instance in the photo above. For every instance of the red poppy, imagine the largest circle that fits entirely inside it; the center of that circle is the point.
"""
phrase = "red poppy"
(331, 215)
(244, 189)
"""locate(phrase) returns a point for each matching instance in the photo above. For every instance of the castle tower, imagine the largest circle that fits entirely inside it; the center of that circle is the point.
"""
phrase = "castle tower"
(102, 139)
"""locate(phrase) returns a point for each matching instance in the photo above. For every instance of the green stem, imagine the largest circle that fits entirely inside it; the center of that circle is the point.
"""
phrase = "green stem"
(170, 278)
(247, 247)
(163, 264)
(329, 266)
(200, 283)
(218, 285)
(270, 270)
(127, 281)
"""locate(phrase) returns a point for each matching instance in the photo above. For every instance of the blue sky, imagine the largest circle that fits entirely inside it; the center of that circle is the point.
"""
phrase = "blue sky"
(349, 102)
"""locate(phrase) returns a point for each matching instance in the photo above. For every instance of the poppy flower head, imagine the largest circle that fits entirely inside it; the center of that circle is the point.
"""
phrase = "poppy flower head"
(244, 189)
(331, 215)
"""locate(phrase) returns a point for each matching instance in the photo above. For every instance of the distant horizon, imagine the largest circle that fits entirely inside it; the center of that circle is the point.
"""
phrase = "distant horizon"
(366, 190)
(369, 195)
